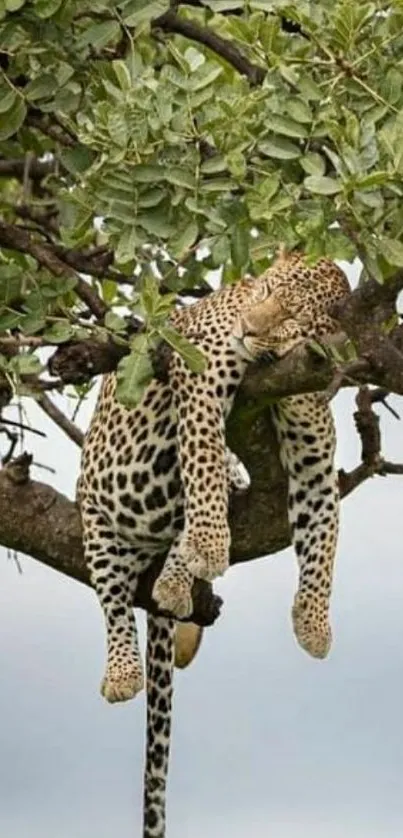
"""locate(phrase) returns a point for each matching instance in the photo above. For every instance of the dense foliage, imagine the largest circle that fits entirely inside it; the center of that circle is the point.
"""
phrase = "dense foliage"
(143, 144)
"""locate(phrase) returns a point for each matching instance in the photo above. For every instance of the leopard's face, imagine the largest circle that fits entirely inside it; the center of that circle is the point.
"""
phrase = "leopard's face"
(267, 330)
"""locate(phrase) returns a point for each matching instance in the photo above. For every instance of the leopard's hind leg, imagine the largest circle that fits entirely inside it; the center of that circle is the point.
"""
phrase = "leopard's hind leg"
(114, 570)
(307, 445)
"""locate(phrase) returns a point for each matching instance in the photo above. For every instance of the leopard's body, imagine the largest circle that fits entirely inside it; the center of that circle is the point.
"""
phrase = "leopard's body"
(155, 481)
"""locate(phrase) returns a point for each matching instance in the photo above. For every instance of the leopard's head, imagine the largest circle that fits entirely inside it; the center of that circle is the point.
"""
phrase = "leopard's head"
(267, 330)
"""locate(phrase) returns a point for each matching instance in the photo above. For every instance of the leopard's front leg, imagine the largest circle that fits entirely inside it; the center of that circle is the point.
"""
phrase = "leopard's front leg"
(173, 588)
(205, 542)
(203, 548)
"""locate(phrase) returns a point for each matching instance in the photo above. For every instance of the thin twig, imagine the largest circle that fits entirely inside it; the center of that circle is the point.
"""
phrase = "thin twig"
(20, 425)
(21, 340)
(13, 439)
(61, 420)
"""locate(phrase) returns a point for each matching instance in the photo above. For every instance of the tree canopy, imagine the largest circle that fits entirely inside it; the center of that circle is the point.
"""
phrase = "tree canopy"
(145, 144)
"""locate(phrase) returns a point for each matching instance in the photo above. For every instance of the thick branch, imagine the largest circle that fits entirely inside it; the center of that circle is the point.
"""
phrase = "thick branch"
(37, 169)
(362, 316)
(38, 520)
(171, 22)
(78, 362)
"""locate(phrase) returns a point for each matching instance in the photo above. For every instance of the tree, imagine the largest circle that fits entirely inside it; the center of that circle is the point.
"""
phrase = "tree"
(144, 144)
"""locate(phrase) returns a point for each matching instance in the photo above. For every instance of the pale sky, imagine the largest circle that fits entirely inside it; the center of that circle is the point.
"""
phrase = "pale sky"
(267, 742)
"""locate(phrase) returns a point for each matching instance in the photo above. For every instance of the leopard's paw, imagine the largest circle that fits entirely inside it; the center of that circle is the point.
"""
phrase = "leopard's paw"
(122, 682)
(311, 627)
(173, 592)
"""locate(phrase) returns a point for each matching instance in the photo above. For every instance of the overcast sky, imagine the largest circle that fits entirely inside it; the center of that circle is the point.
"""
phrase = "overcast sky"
(267, 742)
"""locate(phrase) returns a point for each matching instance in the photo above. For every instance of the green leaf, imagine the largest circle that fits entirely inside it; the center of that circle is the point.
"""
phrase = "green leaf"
(43, 87)
(309, 89)
(109, 289)
(213, 165)
(14, 5)
(288, 127)
(134, 372)
(240, 243)
(217, 185)
(59, 332)
(313, 164)
(392, 250)
(204, 76)
(47, 8)
(279, 148)
(142, 11)
(156, 223)
(99, 35)
(236, 164)
(322, 185)
(11, 120)
(180, 177)
(78, 159)
(192, 356)
(9, 320)
(26, 365)
(118, 128)
(299, 110)
(33, 323)
(125, 249)
(150, 295)
(11, 282)
(7, 97)
(373, 179)
(114, 322)
(184, 240)
(223, 5)
(122, 74)
(147, 174)
(220, 251)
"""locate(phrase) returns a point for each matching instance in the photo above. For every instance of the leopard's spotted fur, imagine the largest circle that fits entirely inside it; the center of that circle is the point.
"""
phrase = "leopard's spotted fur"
(155, 480)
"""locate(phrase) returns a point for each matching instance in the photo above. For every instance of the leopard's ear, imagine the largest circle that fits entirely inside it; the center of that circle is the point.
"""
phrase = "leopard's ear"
(188, 637)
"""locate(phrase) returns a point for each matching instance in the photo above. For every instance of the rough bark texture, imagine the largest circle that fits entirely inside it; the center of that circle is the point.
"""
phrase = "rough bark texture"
(37, 520)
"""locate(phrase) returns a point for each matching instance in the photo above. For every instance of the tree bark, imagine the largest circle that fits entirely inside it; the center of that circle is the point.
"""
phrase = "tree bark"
(38, 520)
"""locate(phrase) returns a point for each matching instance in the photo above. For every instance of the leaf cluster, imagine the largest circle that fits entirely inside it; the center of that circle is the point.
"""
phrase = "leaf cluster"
(161, 153)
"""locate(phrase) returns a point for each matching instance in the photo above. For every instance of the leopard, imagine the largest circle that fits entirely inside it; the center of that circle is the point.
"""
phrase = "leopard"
(156, 480)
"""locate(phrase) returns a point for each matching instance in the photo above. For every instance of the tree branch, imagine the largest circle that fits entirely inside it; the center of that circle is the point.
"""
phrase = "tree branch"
(38, 169)
(16, 238)
(78, 362)
(367, 425)
(61, 420)
(38, 520)
(362, 316)
(171, 22)
(46, 125)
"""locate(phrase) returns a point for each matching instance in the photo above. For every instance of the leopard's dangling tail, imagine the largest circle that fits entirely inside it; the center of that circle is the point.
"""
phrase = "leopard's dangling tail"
(160, 671)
